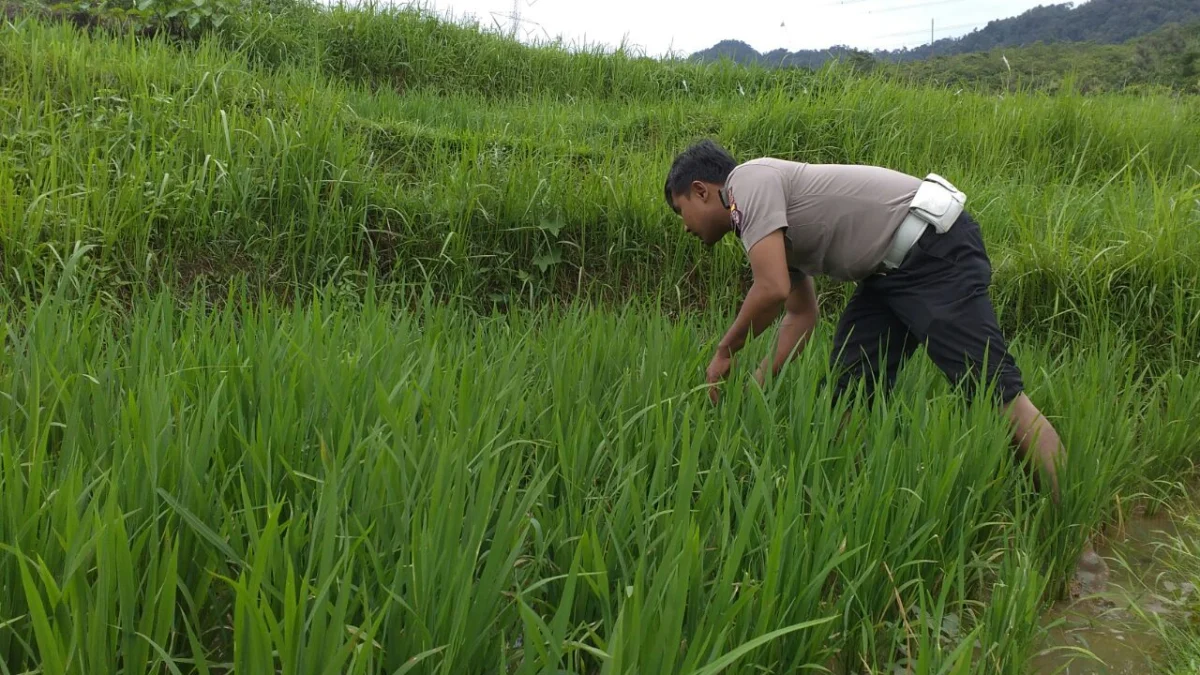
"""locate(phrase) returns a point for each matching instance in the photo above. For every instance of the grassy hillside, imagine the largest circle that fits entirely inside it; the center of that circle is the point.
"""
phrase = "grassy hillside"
(490, 176)
(258, 413)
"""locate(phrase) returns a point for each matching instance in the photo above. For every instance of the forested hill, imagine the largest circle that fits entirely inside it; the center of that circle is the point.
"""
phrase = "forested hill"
(1098, 21)
(1168, 57)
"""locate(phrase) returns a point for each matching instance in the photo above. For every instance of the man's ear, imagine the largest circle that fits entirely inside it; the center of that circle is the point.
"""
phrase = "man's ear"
(700, 189)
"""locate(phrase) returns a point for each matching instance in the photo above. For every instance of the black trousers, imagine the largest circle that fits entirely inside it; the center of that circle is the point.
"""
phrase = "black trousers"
(937, 297)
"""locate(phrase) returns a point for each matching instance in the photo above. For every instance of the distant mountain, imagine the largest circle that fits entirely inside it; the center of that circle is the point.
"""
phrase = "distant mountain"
(743, 53)
(1098, 21)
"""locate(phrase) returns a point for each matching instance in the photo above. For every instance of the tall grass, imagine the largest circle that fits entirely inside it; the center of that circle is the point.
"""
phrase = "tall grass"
(195, 165)
(341, 487)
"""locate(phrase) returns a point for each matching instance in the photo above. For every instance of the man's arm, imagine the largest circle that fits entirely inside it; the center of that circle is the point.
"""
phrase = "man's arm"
(772, 283)
(771, 288)
(797, 326)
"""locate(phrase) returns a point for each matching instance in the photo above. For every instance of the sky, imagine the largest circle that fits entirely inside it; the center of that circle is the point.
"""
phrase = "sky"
(658, 27)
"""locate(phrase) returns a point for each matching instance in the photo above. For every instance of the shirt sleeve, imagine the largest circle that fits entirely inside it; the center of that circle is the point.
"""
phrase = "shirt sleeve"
(760, 203)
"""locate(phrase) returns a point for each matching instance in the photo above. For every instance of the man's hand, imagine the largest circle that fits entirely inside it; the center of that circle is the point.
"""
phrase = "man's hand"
(718, 368)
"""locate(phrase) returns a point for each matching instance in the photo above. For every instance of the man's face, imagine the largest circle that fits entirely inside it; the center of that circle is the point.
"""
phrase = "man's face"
(704, 217)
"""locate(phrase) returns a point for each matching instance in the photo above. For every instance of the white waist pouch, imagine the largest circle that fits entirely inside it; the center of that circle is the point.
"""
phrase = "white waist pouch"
(938, 203)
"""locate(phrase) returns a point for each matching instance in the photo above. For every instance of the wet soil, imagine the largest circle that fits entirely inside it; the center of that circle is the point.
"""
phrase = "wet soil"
(1102, 629)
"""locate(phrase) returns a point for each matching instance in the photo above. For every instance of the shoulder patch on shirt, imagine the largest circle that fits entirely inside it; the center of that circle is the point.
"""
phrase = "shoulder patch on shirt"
(735, 214)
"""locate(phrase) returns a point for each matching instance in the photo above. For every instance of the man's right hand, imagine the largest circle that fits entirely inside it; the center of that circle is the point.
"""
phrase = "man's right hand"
(718, 368)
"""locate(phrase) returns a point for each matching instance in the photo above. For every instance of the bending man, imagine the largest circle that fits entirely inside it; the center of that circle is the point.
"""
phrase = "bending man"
(916, 255)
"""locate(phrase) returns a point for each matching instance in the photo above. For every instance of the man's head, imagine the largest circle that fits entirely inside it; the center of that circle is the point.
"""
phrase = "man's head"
(693, 188)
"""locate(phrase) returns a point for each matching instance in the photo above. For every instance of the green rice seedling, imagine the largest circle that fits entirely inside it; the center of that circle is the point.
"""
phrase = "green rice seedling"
(351, 487)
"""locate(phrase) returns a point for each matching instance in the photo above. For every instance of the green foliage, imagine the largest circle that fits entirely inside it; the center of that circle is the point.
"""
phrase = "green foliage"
(1166, 60)
(191, 167)
(352, 341)
(179, 17)
(339, 486)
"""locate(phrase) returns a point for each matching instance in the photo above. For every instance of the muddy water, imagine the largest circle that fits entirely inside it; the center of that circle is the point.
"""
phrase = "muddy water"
(1122, 576)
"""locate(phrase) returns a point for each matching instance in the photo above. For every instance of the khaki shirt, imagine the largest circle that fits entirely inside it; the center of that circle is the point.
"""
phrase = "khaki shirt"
(838, 220)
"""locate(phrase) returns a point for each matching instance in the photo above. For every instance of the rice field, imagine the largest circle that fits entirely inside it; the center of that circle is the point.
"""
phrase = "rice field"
(313, 365)
(340, 488)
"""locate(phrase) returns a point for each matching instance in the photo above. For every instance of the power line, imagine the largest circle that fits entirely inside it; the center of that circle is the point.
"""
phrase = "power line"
(517, 20)
(902, 8)
(848, 3)
(922, 31)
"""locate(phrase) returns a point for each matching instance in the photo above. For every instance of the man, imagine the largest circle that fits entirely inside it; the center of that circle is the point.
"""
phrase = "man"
(916, 255)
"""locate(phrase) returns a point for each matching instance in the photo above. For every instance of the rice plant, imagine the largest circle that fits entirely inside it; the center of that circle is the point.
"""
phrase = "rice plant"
(352, 341)
(340, 486)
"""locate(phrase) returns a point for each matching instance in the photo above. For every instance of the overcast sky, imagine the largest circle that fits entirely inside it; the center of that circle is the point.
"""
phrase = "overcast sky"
(655, 27)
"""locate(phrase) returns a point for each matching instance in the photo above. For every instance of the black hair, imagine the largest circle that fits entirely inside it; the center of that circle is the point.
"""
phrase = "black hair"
(706, 161)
